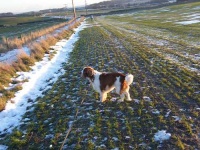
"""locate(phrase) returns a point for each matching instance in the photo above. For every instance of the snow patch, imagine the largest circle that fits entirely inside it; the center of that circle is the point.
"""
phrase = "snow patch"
(3, 147)
(188, 22)
(146, 98)
(42, 74)
(155, 111)
(167, 114)
(10, 56)
(137, 101)
(161, 136)
(176, 118)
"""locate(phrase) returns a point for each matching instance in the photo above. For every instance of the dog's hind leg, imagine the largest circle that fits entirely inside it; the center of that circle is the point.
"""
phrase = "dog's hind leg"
(128, 96)
(126, 92)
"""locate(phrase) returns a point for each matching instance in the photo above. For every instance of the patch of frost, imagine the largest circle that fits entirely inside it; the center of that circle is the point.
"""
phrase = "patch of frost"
(146, 98)
(160, 136)
(43, 73)
(176, 118)
(3, 147)
(188, 22)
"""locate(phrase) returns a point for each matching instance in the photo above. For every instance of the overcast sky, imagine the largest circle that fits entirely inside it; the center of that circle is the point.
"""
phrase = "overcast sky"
(18, 6)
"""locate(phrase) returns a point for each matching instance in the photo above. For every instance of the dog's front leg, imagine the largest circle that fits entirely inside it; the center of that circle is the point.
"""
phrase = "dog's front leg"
(103, 96)
(122, 97)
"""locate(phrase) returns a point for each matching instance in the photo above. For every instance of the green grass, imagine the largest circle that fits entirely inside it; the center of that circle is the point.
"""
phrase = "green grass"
(160, 28)
(110, 46)
(12, 21)
(111, 124)
(17, 42)
(69, 13)
(30, 24)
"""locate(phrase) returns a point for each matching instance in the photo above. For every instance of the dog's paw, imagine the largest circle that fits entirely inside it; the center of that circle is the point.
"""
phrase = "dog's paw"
(102, 101)
(128, 100)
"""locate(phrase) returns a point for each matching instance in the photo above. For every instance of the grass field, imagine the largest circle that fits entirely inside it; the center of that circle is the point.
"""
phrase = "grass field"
(81, 12)
(11, 21)
(161, 53)
(24, 62)
(23, 30)
(13, 29)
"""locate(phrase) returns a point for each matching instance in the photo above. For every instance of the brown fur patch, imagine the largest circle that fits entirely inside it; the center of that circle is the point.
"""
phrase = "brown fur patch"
(108, 79)
(124, 86)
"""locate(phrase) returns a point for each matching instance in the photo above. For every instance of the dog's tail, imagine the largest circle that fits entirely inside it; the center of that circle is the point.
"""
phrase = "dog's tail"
(129, 78)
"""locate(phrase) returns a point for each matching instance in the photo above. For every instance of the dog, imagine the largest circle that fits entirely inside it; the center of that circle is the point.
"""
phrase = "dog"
(103, 82)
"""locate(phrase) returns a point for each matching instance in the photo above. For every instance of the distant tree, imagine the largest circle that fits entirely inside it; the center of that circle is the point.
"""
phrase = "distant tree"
(8, 14)
(180, 0)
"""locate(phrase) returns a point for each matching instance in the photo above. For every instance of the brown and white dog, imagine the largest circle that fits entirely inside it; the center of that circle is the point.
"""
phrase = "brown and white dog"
(103, 82)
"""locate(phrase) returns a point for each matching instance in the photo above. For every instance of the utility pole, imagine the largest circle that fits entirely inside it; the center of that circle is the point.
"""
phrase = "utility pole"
(66, 11)
(85, 7)
(74, 9)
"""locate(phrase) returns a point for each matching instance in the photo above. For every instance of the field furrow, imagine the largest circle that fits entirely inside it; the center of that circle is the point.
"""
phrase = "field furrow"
(162, 101)
(160, 47)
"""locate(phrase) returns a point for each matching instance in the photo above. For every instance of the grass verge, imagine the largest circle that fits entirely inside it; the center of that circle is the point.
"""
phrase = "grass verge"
(23, 62)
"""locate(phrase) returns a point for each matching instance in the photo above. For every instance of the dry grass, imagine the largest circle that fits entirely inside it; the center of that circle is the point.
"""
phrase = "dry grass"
(14, 43)
(45, 45)
(36, 51)
(6, 72)
(2, 103)
(17, 42)
(51, 40)
(24, 61)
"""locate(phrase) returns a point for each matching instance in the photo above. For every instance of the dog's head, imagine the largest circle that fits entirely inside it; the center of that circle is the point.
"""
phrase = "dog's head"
(87, 72)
